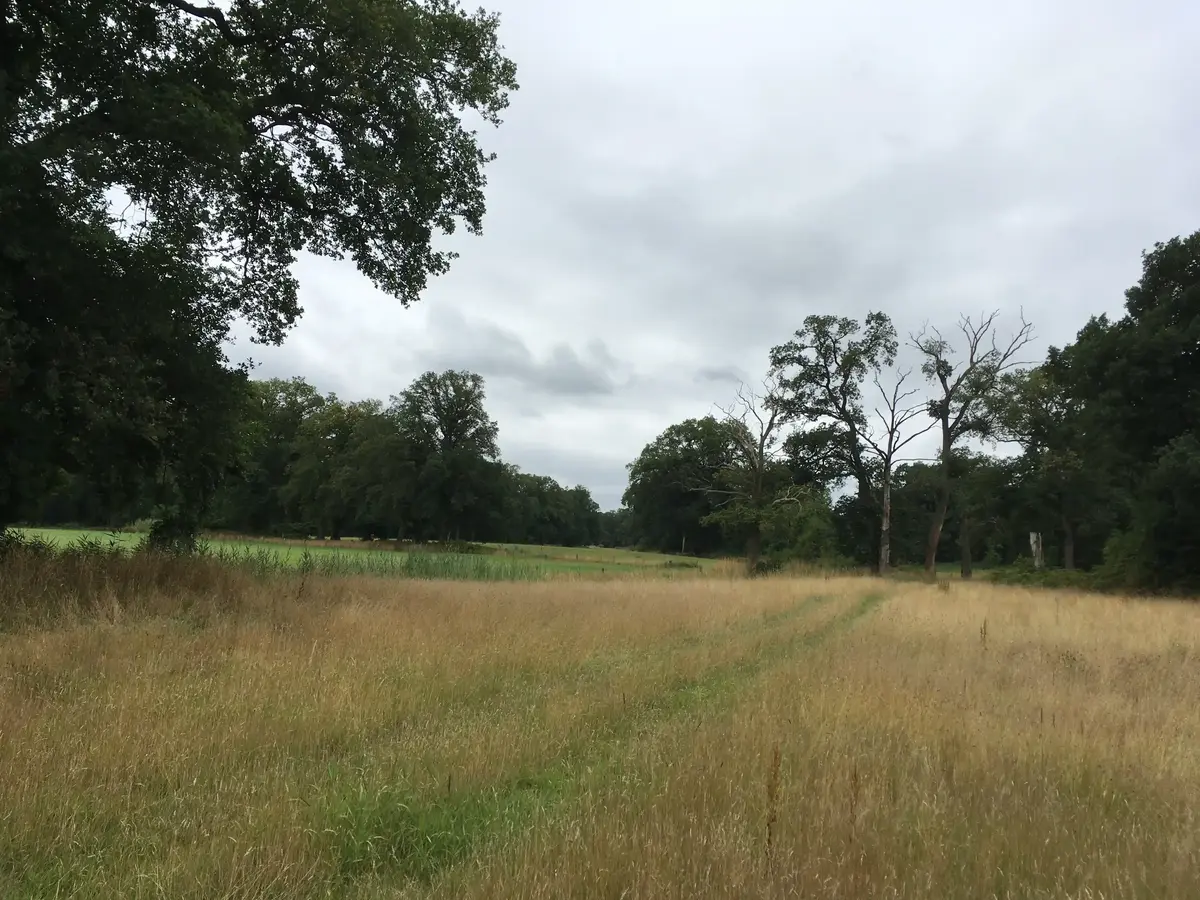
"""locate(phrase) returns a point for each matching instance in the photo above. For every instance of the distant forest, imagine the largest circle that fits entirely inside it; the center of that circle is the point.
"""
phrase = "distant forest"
(424, 466)
(1102, 457)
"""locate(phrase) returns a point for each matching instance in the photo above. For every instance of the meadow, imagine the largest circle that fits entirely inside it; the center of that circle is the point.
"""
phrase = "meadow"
(190, 729)
(489, 562)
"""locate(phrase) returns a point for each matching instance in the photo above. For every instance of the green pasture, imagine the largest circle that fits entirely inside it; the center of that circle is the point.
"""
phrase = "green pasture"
(496, 561)
(584, 558)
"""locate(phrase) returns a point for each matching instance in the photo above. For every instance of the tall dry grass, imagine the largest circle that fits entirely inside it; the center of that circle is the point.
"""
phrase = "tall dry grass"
(208, 733)
(974, 743)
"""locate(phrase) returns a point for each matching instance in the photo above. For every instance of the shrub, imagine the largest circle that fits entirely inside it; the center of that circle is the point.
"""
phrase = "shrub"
(1023, 573)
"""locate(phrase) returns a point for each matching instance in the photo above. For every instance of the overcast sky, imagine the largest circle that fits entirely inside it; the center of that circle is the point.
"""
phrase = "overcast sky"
(681, 182)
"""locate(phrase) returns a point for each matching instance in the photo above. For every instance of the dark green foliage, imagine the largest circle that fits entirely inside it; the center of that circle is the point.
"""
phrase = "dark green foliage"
(1022, 573)
(710, 486)
(451, 442)
(1158, 550)
(822, 370)
(1065, 462)
(541, 511)
(425, 467)
(267, 128)
(1138, 380)
(111, 365)
(304, 465)
(162, 163)
(668, 510)
(617, 528)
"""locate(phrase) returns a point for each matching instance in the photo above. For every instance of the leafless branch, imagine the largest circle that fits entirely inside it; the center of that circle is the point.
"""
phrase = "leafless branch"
(964, 385)
(757, 419)
(794, 494)
(894, 416)
(965, 391)
(761, 418)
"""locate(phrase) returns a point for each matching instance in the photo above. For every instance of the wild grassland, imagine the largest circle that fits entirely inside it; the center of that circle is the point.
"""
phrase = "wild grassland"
(197, 731)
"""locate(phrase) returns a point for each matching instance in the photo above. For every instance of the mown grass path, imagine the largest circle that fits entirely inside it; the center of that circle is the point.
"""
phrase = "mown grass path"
(400, 837)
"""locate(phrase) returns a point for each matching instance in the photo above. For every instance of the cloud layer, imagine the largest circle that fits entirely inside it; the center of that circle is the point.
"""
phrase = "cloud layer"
(680, 184)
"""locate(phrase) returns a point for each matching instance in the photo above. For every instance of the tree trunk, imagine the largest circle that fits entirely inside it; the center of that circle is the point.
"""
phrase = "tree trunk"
(873, 536)
(1035, 547)
(753, 549)
(935, 529)
(939, 513)
(866, 500)
(885, 524)
(964, 544)
(1068, 544)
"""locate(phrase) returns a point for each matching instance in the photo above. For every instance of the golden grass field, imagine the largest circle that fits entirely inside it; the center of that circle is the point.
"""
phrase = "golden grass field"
(204, 734)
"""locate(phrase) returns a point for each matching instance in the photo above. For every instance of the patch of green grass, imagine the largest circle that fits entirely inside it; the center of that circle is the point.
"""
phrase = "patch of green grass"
(267, 559)
(509, 562)
(66, 537)
(387, 831)
(603, 556)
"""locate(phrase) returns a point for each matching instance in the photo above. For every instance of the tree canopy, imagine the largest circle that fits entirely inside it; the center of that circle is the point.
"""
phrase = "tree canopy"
(163, 163)
(305, 464)
(246, 133)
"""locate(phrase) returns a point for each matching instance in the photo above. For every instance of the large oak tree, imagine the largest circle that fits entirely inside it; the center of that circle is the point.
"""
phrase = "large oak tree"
(821, 371)
(163, 163)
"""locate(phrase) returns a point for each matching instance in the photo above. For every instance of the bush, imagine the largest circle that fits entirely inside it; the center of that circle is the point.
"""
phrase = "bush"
(770, 564)
(1022, 573)
(297, 531)
(793, 563)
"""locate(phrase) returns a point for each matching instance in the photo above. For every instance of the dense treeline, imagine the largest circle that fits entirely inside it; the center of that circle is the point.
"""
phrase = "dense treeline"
(425, 467)
(1101, 446)
(163, 164)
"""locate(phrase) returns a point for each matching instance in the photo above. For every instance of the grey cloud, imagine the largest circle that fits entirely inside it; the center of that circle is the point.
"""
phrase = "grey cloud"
(925, 238)
(722, 374)
(497, 352)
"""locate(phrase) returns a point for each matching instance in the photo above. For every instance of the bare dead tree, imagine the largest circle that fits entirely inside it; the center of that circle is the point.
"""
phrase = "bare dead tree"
(961, 406)
(746, 491)
(894, 417)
